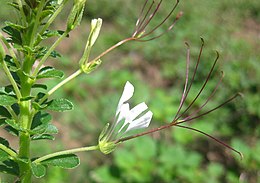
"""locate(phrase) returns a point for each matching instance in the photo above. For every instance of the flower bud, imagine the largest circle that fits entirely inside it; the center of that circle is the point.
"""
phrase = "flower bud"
(91, 66)
(94, 32)
(76, 14)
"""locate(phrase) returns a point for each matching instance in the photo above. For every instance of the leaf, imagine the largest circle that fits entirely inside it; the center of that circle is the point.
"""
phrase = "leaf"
(14, 125)
(42, 86)
(15, 34)
(43, 137)
(6, 100)
(11, 130)
(51, 129)
(3, 155)
(4, 142)
(38, 170)
(15, 26)
(4, 112)
(50, 72)
(60, 105)
(10, 167)
(67, 161)
(40, 122)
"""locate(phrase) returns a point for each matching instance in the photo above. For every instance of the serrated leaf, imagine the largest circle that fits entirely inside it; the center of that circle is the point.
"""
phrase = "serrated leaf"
(38, 170)
(50, 72)
(6, 100)
(43, 137)
(67, 161)
(60, 105)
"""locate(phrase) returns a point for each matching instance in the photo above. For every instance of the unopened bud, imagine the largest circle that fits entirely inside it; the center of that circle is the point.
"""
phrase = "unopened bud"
(94, 32)
(76, 14)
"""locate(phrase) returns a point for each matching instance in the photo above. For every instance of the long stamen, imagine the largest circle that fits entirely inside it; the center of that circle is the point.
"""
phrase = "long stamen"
(202, 88)
(186, 80)
(215, 108)
(192, 79)
(164, 20)
(208, 99)
(215, 139)
(141, 20)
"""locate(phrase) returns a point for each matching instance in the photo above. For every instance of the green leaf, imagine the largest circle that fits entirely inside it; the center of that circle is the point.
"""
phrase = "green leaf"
(14, 125)
(4, 112)
(38, 170)
(51, 129)
(4, 142)
(50, 72)
(60, 105)
(43, 137)
(11, 130)
(6, 100)
(3, 155)
(40, 122)
(42, 86)
(10, 167)
(15, 35)
(67, 161)
(15, 26)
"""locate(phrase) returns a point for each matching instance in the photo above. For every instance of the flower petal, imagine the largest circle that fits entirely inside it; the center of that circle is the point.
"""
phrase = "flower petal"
(142, 122)
(126, 95)
(123, 112)
(137, 110)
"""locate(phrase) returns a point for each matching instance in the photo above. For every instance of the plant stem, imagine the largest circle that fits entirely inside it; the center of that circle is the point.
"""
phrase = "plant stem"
(72, 76)
(11, 79)
(8, 151)
(70, 151)
(44, 58)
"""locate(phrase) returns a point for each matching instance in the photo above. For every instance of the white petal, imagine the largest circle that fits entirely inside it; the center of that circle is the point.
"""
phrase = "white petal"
(137, 110)
(142, 122)
(123, 112)
(126, 95)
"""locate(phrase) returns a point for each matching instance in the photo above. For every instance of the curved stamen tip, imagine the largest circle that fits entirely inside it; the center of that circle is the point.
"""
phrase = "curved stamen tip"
(217, 53)
(202, 41)
(240, 94)
(179, 15)
(241, 155)
(187, 44)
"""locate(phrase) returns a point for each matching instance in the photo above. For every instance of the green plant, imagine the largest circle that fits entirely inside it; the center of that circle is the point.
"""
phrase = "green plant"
(25, 100)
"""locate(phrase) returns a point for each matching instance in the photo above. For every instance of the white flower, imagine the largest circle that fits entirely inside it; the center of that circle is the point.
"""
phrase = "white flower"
(130, 117)
(126, 119)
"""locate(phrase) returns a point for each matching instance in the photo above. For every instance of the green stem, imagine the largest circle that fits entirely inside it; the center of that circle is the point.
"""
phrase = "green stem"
(44, 58)
(37, 21)
(20, 5)
(11, 111)
(72, 76)
(11, 79)
(10, 49)
(70, 151)
(8, 151)
(53, 17)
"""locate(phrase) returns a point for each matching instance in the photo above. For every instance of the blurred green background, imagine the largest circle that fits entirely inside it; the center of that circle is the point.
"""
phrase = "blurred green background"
(157, 70)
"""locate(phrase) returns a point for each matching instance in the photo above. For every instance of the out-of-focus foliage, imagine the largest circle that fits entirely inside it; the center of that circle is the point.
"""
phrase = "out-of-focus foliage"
(157, 69)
